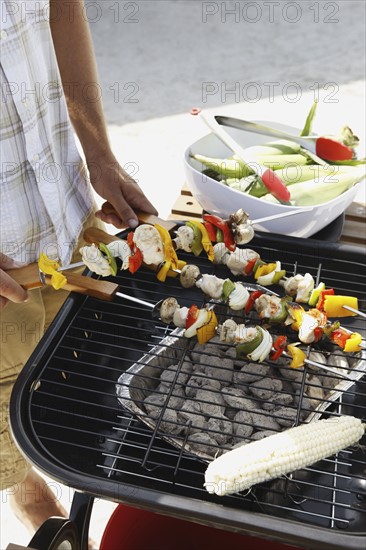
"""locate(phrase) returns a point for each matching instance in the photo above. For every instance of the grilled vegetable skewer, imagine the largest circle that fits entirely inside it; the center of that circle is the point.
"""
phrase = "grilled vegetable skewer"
(251, 342)
(153, 246)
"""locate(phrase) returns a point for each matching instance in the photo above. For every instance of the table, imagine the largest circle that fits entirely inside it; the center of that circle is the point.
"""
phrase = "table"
(354, 229)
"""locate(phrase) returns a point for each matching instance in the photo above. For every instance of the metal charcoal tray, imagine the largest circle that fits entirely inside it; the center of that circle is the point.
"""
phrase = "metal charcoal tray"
(142, 381)
(68, 421)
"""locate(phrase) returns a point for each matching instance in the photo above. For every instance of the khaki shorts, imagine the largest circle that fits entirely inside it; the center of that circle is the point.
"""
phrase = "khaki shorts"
(22, 327)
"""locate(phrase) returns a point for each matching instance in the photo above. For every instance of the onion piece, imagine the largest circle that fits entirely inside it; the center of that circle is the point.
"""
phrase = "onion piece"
(267, 279)
(264, 348)
(238, 297)
(201, 320)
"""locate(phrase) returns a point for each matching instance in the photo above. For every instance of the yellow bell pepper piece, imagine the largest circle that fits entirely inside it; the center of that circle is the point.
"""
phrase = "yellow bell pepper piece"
(171, 259)
(206, 241)
(50, 267)
(333, 305)
(181, 264)
(264, 270)
(298, 356)
(353, 342)
(296, 311)
(163, 271)
(169, 251)
(208, 331)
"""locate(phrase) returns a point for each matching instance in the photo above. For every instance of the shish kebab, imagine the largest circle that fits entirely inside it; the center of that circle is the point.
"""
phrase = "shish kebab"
(154, 246)
(152, 243)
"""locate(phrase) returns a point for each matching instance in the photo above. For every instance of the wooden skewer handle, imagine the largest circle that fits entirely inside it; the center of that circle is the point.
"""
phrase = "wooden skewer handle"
(94, 235)
(143, 217)
(28, 278)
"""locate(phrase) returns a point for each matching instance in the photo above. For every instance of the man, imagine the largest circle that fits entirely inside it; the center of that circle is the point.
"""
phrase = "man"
(47, 71)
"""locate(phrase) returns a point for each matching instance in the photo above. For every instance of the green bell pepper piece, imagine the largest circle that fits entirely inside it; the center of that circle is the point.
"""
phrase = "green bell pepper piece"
(314, 296)
(244, 348)
(278, 276)
(111, 259)
(281, 313)
(227, 289)
(197, 239)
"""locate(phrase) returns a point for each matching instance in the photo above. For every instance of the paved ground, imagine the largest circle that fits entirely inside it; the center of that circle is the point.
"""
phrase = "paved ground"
(163, 60)
(162, 57)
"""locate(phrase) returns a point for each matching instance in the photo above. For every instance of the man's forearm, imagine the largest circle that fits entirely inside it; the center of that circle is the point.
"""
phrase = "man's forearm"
(75, 56)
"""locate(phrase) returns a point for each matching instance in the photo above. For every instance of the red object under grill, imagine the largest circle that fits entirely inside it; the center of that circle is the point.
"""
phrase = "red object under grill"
(67, 418)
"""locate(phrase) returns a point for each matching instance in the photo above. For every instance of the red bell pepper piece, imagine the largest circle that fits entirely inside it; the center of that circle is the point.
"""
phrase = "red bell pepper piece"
(248, 269)
(210, 228)
(321, 300)
(279, 346)
(330, 149)
(318, 333)
(251, 300)
(135, 261)
(192, 315)
(340, 337)
(275, 185)
(225, 228)
(130, 241)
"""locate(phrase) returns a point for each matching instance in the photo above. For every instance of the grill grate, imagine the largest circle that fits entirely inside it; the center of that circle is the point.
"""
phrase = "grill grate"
(72, 424)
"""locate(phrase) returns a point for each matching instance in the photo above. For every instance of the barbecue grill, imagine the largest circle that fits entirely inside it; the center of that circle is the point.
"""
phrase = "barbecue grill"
(78, 412)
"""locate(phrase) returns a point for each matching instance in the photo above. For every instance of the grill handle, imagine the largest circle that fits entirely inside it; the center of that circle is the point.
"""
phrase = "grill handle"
(28, 277)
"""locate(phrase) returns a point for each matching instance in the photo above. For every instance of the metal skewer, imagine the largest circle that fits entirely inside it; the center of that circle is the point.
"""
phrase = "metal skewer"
(355, 311)
(71, 266)
(324, 367)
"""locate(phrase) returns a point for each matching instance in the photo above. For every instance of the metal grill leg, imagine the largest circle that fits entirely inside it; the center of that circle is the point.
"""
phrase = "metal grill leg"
(80, 513)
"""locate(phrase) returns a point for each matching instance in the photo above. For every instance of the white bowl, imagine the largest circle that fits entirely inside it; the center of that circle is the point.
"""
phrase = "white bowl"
(217, 198)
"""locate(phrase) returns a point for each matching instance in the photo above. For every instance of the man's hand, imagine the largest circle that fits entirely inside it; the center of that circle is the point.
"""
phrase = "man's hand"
(9, 289)
(112, 183)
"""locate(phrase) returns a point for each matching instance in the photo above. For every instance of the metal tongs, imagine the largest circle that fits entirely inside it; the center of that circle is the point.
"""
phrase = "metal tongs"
(325, 148)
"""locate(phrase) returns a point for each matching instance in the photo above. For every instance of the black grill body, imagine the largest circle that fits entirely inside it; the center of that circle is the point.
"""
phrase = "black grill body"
(68, 421)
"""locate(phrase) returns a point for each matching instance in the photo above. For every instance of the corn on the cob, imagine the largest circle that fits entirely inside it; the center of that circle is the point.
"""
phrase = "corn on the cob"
(277, 147)
(278, 162)
(323, 189)
(230, 167)
(281, 453)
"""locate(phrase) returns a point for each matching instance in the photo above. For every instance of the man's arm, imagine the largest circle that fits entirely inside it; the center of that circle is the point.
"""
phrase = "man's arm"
(75, 56)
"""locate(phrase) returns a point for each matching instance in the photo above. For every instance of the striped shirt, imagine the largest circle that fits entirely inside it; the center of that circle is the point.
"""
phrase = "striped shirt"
(45, 193)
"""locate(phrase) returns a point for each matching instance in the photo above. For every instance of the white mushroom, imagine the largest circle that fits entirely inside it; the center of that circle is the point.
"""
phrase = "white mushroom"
(243, 233)
(189, 275)
(167, 309)
(184, 238)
